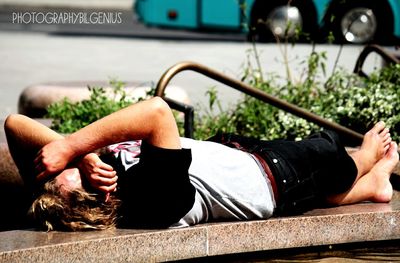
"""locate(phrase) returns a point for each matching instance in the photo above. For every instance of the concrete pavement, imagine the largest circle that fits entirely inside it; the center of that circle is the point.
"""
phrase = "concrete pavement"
(32, 58)
(29, 58)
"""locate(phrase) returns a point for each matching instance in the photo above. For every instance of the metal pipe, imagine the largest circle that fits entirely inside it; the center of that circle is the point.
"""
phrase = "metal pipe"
(251, 91)
(389, 58)
(188, 112)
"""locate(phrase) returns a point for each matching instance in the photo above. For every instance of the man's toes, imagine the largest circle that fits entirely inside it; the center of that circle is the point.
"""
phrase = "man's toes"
(387, 140)
(378, 128)
(384, 132)
(392, 154)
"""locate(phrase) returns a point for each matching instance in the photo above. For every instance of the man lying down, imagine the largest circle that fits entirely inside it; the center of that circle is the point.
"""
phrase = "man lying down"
(159, 180)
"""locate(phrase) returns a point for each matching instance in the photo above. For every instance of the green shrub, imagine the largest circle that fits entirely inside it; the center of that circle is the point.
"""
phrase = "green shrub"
(213, 119)
(345, 98)
(363, 102)
(68, 116)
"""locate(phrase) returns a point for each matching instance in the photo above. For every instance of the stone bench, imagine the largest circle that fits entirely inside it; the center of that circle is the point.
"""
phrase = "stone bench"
(34, 100)
(346, 224)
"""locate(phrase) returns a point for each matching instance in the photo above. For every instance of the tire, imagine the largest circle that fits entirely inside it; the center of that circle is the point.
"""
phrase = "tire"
(264, 11)
(361, 22)
(259, 31)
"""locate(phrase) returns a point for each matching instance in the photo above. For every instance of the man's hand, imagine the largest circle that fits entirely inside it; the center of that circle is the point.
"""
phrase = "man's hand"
(53, 158)
(100, 175)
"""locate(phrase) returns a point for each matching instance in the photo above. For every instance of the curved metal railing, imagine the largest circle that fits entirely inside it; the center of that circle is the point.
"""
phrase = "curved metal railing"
(251, 91)
(386, 56)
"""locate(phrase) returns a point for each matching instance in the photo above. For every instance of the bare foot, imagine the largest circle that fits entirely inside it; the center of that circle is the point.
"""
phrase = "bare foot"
(373, 186)
(380, 175)
(375, 144)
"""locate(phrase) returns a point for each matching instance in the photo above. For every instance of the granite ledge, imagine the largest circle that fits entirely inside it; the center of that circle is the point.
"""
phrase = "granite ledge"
(347, 224)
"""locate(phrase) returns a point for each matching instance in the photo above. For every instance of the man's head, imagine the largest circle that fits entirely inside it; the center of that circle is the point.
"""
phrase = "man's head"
(69, 180)
(64, 204)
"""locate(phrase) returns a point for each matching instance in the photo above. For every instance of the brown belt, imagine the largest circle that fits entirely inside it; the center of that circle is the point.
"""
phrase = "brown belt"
(269, 175)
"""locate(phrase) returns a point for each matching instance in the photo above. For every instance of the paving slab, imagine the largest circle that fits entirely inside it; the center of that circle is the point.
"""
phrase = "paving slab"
(329, 226)
(347, 224)
(102, 246)
(34, 100)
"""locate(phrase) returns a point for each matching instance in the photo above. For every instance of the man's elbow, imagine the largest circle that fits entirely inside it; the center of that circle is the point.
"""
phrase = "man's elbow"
(13, 122)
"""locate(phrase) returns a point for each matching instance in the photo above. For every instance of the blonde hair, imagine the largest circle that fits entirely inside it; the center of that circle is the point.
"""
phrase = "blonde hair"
(77, 211)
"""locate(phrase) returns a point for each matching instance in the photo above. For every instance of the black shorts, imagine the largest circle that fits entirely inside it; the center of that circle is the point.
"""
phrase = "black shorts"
(156, 192)
(306, 171)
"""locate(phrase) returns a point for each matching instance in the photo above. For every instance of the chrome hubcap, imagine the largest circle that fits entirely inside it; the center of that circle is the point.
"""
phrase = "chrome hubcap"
(284, 20)
(359, 25)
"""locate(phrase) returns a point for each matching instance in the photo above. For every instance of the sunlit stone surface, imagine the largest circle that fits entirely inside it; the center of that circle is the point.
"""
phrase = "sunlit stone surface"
(346, 224)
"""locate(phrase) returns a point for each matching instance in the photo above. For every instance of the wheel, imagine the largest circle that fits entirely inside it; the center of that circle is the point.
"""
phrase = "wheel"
(361, 22)
(280, 20)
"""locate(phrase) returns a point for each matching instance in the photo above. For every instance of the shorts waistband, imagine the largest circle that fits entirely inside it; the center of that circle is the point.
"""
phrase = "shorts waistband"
(269, 174)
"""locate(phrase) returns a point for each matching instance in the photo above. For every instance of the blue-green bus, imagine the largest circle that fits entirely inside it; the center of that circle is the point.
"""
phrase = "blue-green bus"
(354, 21)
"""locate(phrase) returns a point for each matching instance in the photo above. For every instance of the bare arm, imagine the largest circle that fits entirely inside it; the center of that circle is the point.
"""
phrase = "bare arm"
(150, 120)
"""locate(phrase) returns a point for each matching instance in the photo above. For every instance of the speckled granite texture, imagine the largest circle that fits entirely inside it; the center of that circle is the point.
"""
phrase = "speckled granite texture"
(34, 100)
(103, 246)
(363, 222)
(346, 224)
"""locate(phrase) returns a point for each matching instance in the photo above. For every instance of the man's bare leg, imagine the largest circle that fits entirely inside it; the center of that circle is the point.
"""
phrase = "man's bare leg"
(373, 186)
(375, 144)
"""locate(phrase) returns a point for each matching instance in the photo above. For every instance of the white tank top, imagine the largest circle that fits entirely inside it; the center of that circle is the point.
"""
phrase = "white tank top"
(230, 185)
